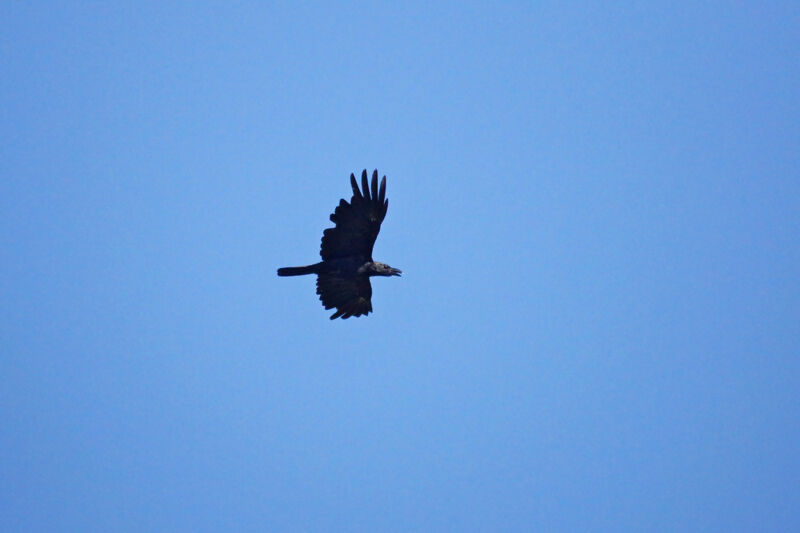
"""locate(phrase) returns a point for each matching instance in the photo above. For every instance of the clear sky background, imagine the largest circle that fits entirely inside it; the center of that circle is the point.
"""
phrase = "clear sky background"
(595, 208)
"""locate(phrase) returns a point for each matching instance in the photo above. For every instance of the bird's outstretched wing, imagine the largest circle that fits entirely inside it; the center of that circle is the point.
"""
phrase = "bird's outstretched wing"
(357, 222)
(351, 296)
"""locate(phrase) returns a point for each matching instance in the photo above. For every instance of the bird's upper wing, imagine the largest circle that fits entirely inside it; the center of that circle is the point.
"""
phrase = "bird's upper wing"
(357, 222)
(351, 296)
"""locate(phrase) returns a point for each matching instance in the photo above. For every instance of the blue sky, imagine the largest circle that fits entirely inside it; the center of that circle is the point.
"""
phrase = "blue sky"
(595, 208)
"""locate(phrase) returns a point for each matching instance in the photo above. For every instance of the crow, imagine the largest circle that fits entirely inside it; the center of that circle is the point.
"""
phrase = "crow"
(346, 251)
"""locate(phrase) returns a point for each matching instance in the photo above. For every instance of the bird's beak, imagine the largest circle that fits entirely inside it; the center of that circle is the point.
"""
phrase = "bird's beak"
(396, 272)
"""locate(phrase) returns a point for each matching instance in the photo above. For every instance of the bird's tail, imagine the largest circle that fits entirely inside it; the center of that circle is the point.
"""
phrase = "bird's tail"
(298, 271)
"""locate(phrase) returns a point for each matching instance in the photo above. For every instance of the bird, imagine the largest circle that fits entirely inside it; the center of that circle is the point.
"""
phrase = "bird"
(346, 251)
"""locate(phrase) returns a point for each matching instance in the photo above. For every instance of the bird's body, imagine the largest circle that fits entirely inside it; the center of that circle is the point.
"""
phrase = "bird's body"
(347, 264)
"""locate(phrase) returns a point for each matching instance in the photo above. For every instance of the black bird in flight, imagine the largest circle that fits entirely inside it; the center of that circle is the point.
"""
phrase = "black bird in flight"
(346, 266)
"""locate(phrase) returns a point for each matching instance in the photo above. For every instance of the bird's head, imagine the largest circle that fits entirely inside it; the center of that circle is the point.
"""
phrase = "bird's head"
(382, 269)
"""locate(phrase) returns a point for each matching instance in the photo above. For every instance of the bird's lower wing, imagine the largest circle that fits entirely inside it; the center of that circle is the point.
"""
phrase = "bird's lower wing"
(351, 296)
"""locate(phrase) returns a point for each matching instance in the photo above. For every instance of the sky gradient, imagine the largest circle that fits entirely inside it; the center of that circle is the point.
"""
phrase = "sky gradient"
(595, 209)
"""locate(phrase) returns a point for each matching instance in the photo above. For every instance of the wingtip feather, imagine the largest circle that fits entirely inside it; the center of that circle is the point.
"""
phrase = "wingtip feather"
(365, 185)
(382, 191)
(354, 185)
